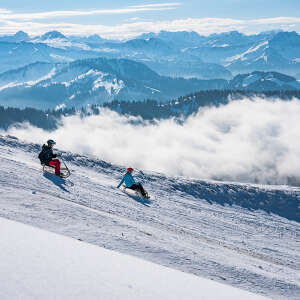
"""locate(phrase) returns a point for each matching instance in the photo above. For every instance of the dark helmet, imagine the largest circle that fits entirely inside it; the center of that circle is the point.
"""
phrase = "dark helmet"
(50, 142)
(129, 170)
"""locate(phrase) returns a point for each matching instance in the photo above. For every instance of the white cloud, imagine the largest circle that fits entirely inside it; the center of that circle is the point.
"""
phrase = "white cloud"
(169, 4)
(8, 15)
(135, 19)
(5, 11)
(278, 20)
(134, 27)
(249, 141)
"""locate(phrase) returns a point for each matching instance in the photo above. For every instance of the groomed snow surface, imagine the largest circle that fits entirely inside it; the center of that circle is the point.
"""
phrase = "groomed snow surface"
(234, 235)
(37, 264)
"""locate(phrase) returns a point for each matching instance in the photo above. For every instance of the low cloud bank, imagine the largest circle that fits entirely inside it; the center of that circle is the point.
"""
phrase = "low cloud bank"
(248, 141)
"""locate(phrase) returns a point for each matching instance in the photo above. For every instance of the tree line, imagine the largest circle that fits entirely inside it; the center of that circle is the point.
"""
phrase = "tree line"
(147, 109)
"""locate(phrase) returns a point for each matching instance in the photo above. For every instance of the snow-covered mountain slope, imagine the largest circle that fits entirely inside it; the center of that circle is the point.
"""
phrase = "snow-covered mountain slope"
(44, 85)
(177, 38)
(56, 39)
(274, 51)
(261, 57)
(15, 55)
(175, 54)
(95, 81)
(242, 235)
(28, 75)
(162, 56)
(37, 264)
(168, 60)
(19, 36)
(264, 81)
(53, 47)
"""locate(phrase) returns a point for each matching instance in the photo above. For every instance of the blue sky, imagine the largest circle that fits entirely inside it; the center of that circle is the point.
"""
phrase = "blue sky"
(125, 19)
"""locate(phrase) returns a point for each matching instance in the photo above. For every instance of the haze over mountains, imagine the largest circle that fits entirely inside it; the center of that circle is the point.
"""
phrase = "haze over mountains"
(99, 80)
(44, 85)
(182, 54)
(54, 70)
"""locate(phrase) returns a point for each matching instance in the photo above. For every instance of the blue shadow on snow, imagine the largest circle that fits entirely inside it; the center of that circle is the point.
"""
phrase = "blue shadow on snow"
(139, 199)
(60, 182)
(285, 203)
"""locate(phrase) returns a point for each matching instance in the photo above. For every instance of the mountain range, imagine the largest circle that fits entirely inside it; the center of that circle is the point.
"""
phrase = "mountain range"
(98, 80)
(92, 81)
(276, 51)
(175, 54)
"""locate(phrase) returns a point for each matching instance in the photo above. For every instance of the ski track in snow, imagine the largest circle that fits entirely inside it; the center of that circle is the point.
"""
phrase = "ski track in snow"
(182, 226)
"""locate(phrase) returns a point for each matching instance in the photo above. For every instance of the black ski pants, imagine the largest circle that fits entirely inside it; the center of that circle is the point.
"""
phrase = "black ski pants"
(138, 187)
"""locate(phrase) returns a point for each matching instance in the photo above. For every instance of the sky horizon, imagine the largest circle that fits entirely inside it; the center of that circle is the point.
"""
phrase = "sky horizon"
(117, 20)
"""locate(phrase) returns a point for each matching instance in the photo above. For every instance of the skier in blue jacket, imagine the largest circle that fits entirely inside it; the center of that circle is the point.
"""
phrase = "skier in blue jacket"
(131, 183)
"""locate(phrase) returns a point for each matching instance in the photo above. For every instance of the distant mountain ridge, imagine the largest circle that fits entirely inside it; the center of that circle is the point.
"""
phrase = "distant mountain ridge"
(264, 81)
(98, 80)
(267, 51)
(19, 36)
(82, 82)
(175, 54)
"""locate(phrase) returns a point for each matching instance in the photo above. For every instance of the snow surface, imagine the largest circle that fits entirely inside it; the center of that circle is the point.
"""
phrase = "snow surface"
(92, 79)
(10, 85)
(99, 80)
(241, 235)
(252, 78)
(90, 72)
(62, 43)
(152, 89)
(61, 58)
(243, 56)
(48, 76)
(107, 50)
(28, 83)
(112, 86)
(36, 264)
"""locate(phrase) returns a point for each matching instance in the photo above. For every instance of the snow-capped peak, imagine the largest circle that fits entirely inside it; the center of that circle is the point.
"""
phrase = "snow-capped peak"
(53, 35)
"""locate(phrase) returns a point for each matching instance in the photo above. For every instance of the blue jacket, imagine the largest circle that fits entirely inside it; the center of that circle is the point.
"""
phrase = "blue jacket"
(129, 180)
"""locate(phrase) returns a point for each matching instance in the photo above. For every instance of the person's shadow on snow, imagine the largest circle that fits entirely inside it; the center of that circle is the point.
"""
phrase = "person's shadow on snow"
(60, 182)
(139, 199)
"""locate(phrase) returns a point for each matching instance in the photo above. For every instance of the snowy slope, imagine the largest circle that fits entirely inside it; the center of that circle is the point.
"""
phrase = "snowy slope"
(36, 264)
(90, 81)
(173, 54)
(267, 51)
(264, 81)
(245, 236)
(27, 76)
